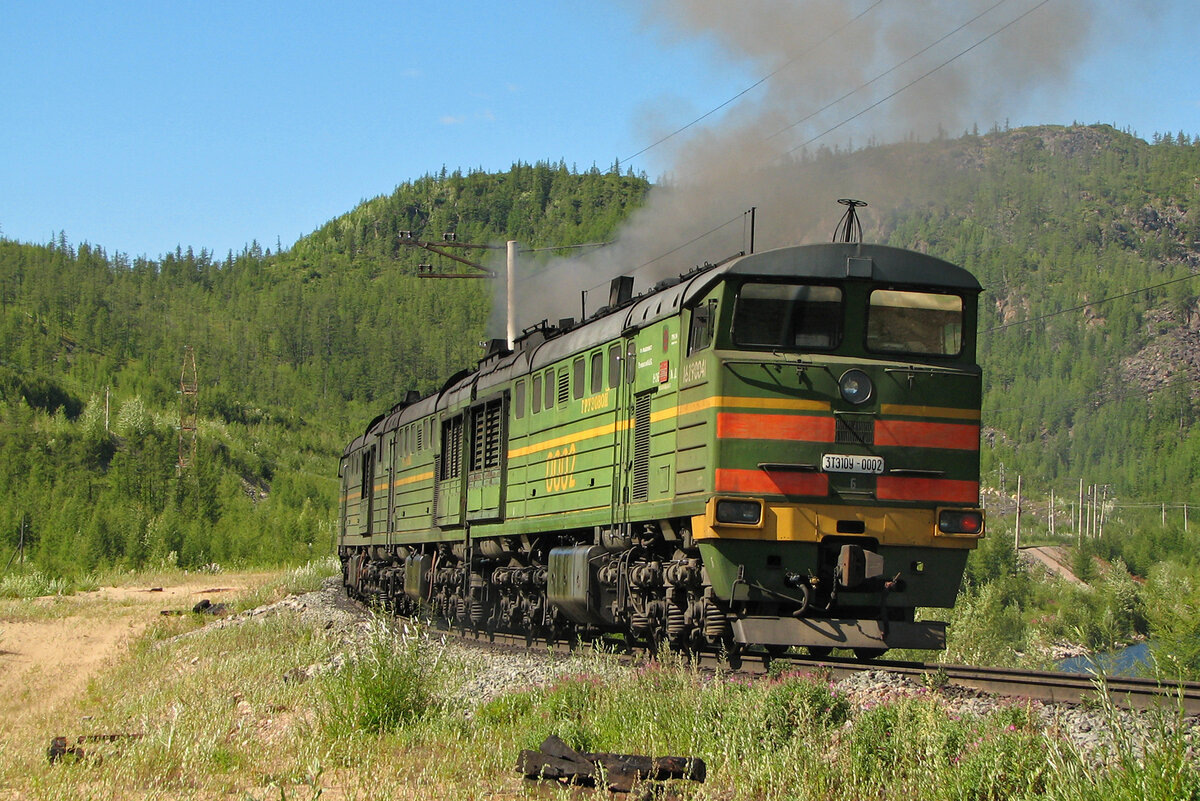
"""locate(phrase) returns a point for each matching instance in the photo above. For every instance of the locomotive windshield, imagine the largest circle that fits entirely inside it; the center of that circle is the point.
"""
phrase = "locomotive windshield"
(788, 316)
(924, 323)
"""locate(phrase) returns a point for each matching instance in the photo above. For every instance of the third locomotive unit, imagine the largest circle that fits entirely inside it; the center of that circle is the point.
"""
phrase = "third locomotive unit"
(780, 451)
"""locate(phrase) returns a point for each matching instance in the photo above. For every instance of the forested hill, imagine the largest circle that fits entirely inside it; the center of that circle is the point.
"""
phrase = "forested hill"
(1086, 240)
(541, 205)
(296, 350)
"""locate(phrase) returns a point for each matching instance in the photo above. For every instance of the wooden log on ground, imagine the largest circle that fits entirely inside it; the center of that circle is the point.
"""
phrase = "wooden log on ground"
(557, 760)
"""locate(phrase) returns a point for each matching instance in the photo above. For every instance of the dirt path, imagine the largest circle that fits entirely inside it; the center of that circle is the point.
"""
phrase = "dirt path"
(51, 647)
(1055, 559)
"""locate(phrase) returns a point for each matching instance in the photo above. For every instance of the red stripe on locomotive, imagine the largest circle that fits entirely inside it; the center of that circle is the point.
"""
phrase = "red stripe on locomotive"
(800, 428)
(911, 434)
(942, 490)
(771, 483)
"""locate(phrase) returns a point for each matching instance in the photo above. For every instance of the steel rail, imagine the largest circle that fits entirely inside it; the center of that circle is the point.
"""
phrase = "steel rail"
(1047, 686)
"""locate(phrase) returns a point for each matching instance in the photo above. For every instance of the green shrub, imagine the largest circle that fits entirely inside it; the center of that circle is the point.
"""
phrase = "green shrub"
(985, 629)
(1172, 597)
(797, 705)
(385, 685)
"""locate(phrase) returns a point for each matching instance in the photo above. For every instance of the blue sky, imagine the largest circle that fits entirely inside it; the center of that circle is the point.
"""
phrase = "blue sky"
(142, 126)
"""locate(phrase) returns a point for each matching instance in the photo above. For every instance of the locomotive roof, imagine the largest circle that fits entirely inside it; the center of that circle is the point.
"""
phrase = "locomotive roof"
(840, 261)
(837, 261)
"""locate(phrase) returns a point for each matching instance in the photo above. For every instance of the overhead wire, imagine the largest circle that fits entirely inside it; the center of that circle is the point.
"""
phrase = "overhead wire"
(887, 72)
(874, 105)
(756, 84)
(1088, 305)
(918, 79)
(693, 240)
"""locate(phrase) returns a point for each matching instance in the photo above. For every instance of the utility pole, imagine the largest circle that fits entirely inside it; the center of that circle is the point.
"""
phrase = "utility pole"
(1087, 520)
(1078, 530)
(1017, 535)
(189, 407)
(510, 329)
(20, 546)
(409, 239)
(1093, 497)
(449, 242)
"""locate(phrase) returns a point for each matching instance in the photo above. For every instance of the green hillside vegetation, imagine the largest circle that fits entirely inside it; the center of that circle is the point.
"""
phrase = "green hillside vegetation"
(1052, 218)
(295, 351)
(1088, 233)
(1093, 236)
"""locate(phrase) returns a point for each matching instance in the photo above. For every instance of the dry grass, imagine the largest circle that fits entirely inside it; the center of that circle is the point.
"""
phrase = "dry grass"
(216, 719)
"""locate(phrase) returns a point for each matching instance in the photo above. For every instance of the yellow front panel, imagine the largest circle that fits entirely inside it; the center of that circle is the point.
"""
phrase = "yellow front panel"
(812, 523)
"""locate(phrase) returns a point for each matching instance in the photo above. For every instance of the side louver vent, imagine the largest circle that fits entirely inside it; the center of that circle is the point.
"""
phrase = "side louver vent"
(641, 448)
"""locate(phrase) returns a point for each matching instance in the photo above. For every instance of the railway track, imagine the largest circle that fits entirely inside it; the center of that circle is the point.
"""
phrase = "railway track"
(1047, 686)
(1051, 687)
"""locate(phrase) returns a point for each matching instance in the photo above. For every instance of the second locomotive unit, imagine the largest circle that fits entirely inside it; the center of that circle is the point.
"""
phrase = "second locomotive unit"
(781, 450)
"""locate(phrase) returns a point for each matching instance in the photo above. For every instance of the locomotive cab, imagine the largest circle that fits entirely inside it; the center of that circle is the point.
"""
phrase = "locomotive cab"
(845, 443)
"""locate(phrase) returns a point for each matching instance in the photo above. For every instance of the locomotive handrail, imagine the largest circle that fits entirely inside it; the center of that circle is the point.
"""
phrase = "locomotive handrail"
(929, 370)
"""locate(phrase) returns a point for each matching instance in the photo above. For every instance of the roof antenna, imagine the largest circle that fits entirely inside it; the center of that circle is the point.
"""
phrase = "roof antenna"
(849, 228)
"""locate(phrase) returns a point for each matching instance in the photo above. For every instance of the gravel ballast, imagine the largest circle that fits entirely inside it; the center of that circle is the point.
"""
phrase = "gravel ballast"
(490, 672)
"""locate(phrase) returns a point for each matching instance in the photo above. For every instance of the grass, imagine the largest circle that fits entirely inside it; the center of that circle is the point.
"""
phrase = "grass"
(385, 685)
(32, 583)
(217, 719)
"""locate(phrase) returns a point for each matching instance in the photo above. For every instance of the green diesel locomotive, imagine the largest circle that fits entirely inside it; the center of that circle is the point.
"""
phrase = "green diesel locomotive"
(780, 450)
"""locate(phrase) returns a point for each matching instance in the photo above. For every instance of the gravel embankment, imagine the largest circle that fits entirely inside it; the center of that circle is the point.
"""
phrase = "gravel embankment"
(492, 673)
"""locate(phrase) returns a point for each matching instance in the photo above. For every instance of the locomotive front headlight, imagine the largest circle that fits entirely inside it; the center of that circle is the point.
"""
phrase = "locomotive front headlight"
(856, 386)
(743, 513)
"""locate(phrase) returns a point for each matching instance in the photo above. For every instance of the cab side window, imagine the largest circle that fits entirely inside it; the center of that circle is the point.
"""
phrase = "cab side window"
(701, 334)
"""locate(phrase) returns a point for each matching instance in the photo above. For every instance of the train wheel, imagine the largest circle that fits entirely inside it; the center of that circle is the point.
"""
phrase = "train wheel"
(819, 651)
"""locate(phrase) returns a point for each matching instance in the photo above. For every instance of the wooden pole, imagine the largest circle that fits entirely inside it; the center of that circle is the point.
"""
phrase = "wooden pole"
(1078, 521)
(1017, 535)
(1091, 526)
(1094, 519)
